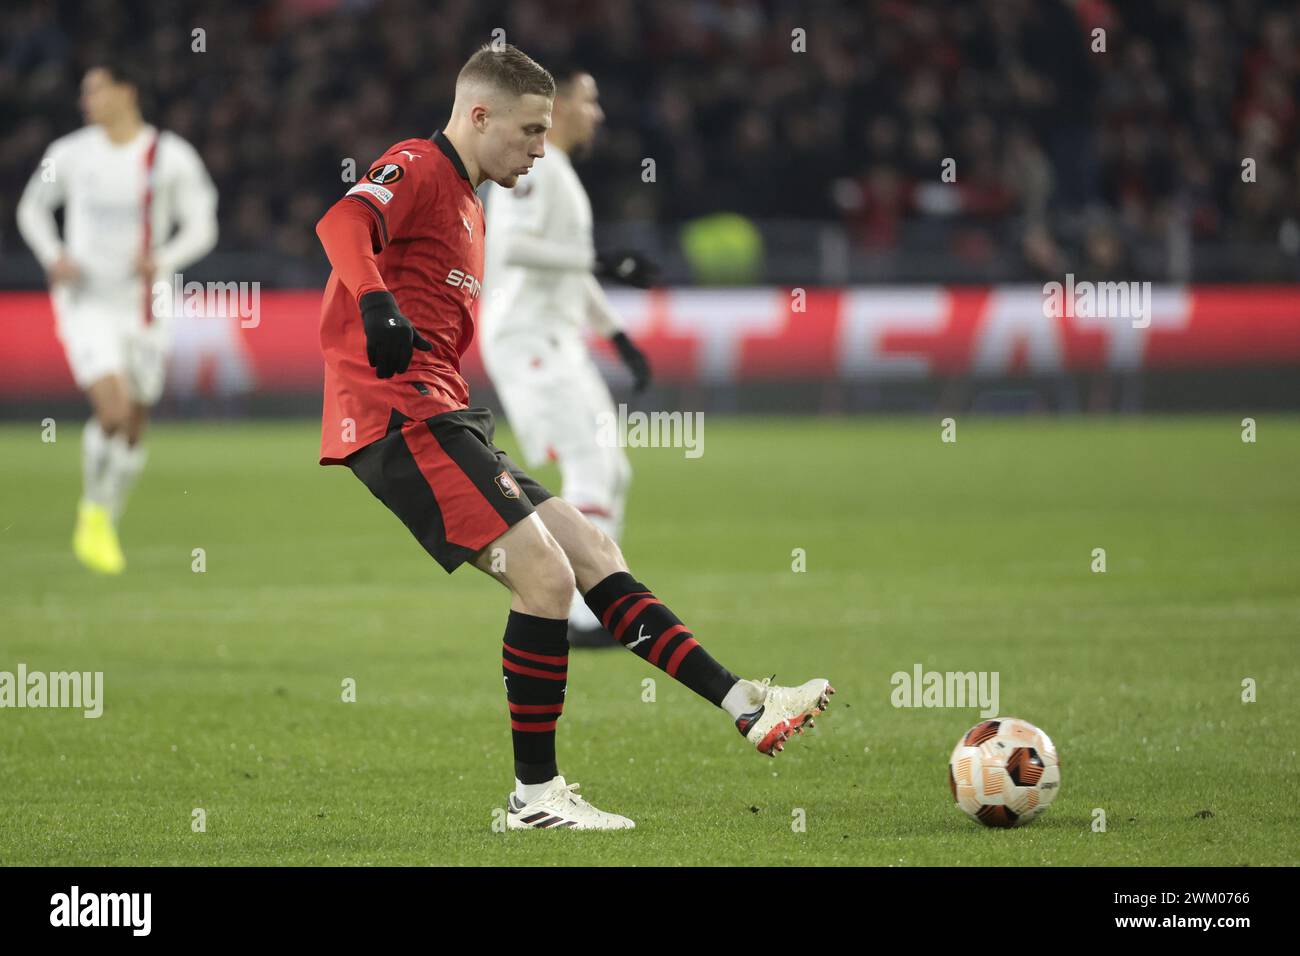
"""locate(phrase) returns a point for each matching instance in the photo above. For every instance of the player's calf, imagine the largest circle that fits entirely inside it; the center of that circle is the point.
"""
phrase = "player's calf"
(626, 608)
(534, 651)
(767, 715)
(535, 668)
(643, 624)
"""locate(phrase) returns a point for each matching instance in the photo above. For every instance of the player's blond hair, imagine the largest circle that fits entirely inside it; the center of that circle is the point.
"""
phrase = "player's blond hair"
(507, 68)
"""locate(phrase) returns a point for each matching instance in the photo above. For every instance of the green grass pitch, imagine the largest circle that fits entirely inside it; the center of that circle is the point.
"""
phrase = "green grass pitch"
(223, 688)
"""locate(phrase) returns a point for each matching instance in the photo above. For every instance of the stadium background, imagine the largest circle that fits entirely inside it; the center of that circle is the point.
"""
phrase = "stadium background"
(774, 171)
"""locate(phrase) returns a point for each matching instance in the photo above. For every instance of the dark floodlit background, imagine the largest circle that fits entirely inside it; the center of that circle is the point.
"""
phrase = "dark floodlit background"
(1107, 155)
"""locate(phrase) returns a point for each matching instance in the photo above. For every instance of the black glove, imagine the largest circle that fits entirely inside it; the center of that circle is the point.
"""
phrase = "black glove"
(389, 334)
(630, 268)
(633, 358)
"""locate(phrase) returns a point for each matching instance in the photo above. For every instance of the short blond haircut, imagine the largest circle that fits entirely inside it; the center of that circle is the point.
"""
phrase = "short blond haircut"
(508, 69)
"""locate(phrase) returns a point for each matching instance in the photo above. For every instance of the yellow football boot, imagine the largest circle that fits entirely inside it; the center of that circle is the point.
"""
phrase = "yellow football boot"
(95, 540)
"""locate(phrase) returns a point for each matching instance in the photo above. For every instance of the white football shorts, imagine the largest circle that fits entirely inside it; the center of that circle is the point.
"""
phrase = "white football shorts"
(553, 395)
(104, 332)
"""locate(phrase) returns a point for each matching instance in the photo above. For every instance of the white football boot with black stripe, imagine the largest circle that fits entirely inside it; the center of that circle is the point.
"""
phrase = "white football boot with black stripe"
(782, 712)
(561, 808)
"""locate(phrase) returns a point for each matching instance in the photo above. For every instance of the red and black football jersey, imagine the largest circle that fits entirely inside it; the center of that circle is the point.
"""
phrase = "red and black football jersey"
(427, 235)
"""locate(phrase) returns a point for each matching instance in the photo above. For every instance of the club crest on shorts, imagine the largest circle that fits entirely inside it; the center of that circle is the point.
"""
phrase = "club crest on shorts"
(509, 487)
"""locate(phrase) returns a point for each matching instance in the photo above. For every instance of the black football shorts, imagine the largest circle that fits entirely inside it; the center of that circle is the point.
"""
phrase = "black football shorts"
(455, 490)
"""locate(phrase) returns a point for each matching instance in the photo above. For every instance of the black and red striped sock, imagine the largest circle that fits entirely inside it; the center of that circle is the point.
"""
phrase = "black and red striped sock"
(535, 662)
(645, 626)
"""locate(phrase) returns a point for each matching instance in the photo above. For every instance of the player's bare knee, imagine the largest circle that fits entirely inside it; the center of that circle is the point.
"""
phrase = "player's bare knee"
(598, 558)
(547, 586)
(614, 555)
(605, 548)
(112, 417)
(560, 580)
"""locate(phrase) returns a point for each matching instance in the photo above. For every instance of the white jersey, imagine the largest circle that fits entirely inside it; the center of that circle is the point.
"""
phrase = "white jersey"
(537, 270)
(104, 188)
(539, 297)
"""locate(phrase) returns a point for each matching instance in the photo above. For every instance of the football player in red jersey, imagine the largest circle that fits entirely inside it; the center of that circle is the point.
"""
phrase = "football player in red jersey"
(406, 246)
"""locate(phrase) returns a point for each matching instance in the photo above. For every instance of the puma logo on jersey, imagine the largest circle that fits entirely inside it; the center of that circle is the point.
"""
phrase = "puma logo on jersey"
(410, 155)
(468, 229)
(640, 637)
(463, 280)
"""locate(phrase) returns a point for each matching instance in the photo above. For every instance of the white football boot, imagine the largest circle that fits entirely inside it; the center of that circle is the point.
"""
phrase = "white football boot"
(558, 808)
(781, 712)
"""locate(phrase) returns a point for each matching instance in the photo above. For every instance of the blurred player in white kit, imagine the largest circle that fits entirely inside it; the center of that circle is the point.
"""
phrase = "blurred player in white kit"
(540, 295)
(123, 186)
